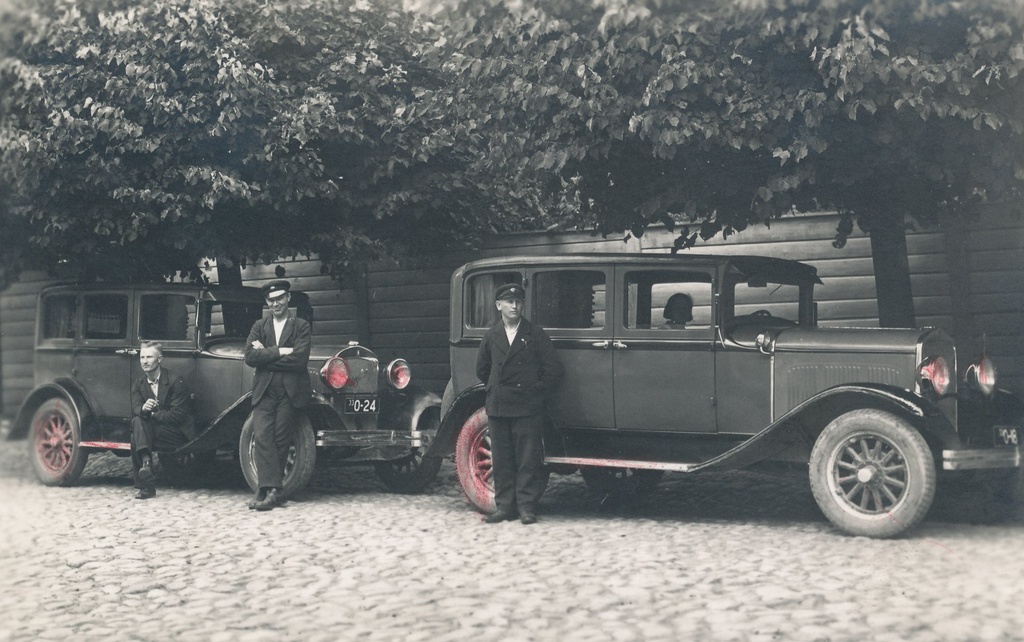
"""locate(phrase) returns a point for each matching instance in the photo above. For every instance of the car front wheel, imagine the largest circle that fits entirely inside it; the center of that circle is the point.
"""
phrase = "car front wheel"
(58, 458)
(409, 475)
(872, 474)
(298, 466)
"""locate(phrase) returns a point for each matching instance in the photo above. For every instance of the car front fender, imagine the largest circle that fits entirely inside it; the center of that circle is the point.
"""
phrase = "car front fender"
(465, 404)
(792, 436)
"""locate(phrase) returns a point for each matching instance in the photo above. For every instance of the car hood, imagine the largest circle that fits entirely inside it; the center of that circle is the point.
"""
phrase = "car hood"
(849, 339)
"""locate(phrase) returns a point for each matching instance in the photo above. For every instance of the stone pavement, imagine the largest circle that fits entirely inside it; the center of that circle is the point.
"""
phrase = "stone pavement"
(737, 556)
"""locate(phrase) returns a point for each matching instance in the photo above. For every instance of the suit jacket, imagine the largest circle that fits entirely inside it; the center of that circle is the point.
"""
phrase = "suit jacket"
(520, 378)
(174, 398)
(267, 360)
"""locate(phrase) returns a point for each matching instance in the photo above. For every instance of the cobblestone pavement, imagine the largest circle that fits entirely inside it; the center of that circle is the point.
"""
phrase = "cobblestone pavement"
(738, 556)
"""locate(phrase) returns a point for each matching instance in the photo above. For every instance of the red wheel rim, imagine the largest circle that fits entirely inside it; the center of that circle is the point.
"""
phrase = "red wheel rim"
(480, 463)
(55, 441)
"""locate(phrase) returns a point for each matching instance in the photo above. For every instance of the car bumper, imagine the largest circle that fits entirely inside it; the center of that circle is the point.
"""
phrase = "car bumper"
(370, 438)
(982, 458)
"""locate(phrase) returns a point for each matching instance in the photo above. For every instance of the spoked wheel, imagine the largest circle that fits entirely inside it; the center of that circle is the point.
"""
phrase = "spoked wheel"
(473, 464)
(408, 475)
(57, 457)
(298, 466)
(872, 474)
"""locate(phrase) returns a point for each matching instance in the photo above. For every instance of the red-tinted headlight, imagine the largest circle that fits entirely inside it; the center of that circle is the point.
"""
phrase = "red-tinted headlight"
(399, 373)
(335, 373)
(935, 371)
(981, 375)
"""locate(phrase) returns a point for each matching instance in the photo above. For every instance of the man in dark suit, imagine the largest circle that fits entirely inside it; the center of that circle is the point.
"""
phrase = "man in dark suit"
(278, 347)
(517, 362)
(161, 416)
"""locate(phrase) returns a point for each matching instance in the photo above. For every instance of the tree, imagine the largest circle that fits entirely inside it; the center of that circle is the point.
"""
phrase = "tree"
(137, 138)
(717, 117)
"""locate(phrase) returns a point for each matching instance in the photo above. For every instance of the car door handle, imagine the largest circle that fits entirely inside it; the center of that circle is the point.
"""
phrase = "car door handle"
(601, 344)
(618, 345)
(126, 351)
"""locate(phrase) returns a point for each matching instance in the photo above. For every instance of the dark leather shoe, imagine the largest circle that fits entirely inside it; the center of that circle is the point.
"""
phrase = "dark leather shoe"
(145, 493)
(499, 516)
(146, 470)
(527, 517)
(270, 501)
(261, 494)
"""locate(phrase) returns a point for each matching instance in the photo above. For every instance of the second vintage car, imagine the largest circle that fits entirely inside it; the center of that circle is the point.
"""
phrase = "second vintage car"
(86, 355)
(698, 363)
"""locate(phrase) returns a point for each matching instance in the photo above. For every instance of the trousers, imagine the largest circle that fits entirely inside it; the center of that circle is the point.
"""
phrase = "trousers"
(274, 421)
(151, 437)
(517, 459)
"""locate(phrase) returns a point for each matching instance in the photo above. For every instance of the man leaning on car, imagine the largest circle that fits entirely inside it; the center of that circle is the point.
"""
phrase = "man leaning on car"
(518, 364)
(161, 416)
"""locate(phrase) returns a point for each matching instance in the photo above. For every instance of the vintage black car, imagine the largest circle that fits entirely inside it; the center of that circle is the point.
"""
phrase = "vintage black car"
(86, 355)
(742, 375)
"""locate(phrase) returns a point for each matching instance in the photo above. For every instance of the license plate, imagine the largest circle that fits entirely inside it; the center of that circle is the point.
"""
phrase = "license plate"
(1006, 436)
(360, 405)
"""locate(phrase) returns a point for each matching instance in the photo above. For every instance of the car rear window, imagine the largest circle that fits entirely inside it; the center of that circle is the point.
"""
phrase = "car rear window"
(60, 314)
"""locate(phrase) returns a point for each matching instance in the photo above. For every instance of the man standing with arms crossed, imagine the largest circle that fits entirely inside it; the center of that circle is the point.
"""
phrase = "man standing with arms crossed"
(278, 347)
(161, 416)
(518, 364)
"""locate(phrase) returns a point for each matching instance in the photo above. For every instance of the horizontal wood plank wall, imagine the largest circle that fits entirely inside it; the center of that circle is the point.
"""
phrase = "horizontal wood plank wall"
(407, 314)
(17, 338)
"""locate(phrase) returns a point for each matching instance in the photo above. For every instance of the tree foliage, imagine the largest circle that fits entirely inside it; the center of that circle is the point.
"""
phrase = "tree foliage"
(716, 116)
(138, 138)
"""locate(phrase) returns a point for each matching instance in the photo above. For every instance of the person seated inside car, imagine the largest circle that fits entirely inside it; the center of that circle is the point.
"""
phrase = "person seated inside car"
(678, 311)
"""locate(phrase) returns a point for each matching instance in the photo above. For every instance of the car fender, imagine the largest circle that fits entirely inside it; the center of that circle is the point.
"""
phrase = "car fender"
(792, 436)
(402, 410)
(224, 430)
(63, 388)
(461, 407)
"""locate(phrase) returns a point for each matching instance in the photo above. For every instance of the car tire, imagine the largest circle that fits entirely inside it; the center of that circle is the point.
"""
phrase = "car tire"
(409, 475)
(55, 437)
(473, 462)
(872, 474)
(298, 468)
(621, 482)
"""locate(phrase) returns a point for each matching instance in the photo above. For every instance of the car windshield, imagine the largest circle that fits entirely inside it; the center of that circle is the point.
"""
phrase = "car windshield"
(221, 320)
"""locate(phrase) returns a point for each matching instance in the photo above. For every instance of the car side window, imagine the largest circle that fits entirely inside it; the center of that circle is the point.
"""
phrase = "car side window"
(106, 316)
(479, 297)
(569, 299)
(166, 317)
(668, 300)
(60, 317)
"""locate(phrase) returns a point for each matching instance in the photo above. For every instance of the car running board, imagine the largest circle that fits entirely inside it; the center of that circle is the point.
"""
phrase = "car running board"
(621, 463)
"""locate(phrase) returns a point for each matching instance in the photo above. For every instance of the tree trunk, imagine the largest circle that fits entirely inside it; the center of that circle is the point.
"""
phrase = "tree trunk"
(892, 273)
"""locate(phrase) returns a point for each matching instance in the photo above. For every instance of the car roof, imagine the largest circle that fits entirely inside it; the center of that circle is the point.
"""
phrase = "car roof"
(748, 265)
(214, 292)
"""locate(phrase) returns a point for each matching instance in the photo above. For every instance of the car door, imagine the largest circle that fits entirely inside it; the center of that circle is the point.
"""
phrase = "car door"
(664, 371)
(571, 304)
(103, 360)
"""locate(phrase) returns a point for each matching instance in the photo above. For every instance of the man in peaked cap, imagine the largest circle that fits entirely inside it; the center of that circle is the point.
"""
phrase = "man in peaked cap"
(278, 347)
(517, 362)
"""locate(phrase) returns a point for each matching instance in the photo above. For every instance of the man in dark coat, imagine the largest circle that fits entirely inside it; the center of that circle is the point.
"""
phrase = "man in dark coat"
(161, 416)
(278, 347)
(517, 362)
